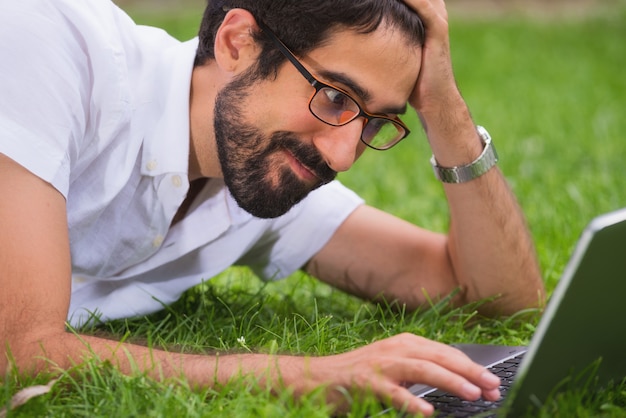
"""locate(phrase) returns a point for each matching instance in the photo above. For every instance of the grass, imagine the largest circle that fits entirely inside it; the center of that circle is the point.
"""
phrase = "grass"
(553, 95)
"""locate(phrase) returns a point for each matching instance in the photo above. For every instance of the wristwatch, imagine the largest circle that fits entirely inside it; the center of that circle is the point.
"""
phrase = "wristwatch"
(464, 173)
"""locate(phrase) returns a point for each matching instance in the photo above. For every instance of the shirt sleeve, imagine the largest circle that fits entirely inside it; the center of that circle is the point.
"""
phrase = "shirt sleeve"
(297, 236)
(51, 57)
(38, 81)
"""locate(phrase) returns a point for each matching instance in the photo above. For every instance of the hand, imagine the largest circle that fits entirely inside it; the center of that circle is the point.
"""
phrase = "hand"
(436, 82)
(436, 98)
(385, 366)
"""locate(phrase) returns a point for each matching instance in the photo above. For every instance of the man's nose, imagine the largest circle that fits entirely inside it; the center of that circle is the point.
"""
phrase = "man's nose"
(340, 146)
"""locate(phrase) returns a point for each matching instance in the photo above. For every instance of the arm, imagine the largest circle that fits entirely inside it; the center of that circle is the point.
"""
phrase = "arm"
(35, 273)
(35, 281)
(489, 246)
(488, 251)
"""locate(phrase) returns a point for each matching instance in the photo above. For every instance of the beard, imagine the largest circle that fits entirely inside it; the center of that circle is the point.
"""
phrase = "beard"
(253, 164)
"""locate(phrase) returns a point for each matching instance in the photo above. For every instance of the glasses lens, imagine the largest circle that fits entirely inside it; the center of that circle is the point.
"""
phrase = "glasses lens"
(333, 106)
(382, 133)
(337, 108)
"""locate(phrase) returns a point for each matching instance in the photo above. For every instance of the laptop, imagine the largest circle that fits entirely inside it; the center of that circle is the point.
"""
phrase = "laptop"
(579, 343)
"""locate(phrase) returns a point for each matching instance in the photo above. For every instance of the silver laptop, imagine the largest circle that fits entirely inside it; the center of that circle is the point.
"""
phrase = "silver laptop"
(580, 341)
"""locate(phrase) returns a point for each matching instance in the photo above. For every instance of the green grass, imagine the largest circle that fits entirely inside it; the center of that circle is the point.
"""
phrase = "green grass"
(552, 94)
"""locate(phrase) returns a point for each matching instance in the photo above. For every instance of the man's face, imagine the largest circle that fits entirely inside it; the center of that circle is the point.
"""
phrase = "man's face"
(273, 151)
(250, 158)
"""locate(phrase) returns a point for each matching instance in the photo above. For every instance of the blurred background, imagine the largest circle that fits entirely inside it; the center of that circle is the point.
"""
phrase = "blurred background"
(457, 8)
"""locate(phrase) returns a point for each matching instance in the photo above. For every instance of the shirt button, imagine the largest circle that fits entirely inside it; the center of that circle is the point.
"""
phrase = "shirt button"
(177, 181)
(151, 165)
(157, 241)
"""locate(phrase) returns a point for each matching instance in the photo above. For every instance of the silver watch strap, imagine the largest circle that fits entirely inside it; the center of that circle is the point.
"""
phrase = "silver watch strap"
(464, 173)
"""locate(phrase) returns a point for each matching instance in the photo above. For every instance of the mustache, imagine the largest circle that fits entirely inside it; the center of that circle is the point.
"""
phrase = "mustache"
(305, 154)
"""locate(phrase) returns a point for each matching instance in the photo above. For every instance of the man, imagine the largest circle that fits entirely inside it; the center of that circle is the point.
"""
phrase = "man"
(128, 175)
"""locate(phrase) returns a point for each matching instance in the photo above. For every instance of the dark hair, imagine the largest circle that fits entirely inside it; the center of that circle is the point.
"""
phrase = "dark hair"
(304, 25)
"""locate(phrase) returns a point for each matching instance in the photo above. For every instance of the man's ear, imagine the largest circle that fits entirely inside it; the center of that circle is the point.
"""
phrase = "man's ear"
(235, 47)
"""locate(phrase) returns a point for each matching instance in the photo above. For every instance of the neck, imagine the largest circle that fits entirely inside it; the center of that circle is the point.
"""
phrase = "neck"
(203, 159)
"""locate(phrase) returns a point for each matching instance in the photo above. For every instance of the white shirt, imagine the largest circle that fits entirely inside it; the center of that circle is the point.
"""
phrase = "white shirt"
(99, 108)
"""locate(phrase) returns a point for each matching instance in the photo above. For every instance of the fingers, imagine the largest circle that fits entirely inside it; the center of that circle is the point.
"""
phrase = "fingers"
(385, 367)
(480, 383)
(435, 87)
(393, 393)
(403, 400)
(430, 11)
(409, 358)
(446, 361)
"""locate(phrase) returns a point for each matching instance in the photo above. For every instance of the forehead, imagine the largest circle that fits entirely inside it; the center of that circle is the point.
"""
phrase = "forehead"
(383, 65)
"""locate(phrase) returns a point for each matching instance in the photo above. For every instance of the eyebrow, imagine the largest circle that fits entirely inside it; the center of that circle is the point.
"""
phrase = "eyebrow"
(361, 92)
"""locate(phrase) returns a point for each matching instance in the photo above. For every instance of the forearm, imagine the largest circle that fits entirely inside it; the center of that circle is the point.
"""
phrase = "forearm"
(62, 351)
(489, 244)
(490, 247)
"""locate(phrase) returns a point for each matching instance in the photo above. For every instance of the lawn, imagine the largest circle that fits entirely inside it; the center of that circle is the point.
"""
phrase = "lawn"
(552, 92)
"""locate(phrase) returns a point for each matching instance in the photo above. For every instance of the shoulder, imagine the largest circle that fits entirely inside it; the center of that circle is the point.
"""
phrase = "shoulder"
(52, 21)
(65, 57)
(60, 34)
(57, 47)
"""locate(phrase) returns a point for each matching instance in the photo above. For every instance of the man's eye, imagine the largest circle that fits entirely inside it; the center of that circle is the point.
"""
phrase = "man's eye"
(338, 99)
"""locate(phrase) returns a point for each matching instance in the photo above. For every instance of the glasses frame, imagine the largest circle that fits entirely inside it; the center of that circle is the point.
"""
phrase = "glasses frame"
(319, 85)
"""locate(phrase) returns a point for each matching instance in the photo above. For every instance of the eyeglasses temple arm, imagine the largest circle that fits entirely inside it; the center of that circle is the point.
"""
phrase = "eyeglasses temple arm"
(288, 54)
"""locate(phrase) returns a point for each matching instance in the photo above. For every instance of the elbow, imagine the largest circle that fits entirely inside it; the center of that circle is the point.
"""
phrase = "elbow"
(530, 294)
(25, 353)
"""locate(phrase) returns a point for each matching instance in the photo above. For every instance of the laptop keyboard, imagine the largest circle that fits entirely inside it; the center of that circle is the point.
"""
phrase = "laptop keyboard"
(448, 405)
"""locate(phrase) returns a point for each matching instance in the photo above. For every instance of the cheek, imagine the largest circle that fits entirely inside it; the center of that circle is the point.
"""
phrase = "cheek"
(274, 107)
(289, 116)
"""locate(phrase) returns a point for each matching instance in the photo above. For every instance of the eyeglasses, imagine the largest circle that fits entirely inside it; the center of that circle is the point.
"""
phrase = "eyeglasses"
(336, 107)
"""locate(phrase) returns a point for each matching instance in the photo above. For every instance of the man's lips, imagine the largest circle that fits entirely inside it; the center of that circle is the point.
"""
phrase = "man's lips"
(301, 170)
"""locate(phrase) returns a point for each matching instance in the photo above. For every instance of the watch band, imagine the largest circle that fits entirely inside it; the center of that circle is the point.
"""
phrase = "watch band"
(464, 173)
